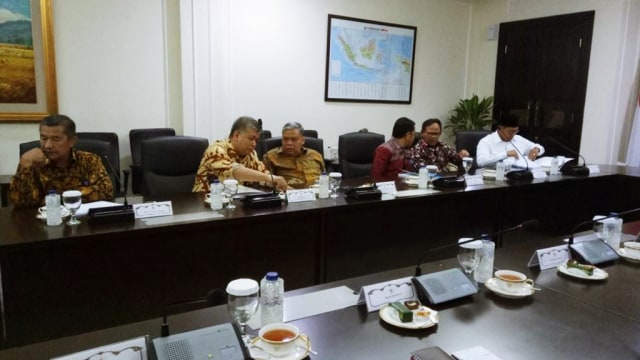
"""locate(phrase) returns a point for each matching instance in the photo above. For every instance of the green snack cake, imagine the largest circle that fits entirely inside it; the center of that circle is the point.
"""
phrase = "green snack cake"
(404, 313)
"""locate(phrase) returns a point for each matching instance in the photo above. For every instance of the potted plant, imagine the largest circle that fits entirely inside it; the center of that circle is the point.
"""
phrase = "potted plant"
(470, 114)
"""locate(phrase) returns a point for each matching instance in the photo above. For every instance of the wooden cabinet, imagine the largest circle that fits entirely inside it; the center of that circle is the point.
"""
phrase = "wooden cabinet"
(541, 77)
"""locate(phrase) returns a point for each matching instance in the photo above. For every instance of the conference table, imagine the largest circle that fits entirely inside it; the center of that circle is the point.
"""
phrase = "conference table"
(62, 281)
(566, 319)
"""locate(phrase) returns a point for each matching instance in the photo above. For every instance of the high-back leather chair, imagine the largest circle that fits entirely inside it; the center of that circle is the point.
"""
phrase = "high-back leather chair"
(355, 153)
(102, 148)
(136, 137)
(170, 163)
(260, 147)
(310, 133)
(111, 160)
(468, 139)
(309, 142)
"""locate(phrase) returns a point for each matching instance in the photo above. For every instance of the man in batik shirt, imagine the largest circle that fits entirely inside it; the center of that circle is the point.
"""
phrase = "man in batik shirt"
(56, 165)
(236, 158)
(429, 150)
(300, 166)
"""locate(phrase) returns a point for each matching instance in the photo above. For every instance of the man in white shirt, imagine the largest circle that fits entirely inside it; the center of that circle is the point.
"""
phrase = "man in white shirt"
(504, 143)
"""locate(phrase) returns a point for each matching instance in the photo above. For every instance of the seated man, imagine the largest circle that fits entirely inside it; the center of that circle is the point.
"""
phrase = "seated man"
(389, 157)
(505, 144)
(56, 165)
(235, 158)
(431, 151)
(300, 166)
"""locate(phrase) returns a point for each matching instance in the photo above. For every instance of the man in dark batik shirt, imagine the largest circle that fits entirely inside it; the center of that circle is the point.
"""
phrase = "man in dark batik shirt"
(55, 165)
(431, 151)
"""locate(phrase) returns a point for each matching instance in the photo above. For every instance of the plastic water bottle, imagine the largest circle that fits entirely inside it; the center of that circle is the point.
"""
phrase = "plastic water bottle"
(615, 233)
(484, 271)
(422, 178)
(324, 186)
(272, 299)
(554, 168)
(54, 214)
(216, 195)
(500, 171)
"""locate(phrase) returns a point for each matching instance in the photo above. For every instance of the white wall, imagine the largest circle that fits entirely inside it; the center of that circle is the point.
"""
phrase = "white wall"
(119, 67)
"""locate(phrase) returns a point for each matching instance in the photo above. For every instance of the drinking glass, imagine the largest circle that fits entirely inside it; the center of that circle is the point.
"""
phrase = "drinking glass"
(334, 183)
(72, 199)
(467, 256)
(230, 190)
(467, 162)
(432, 171)
(242, 302)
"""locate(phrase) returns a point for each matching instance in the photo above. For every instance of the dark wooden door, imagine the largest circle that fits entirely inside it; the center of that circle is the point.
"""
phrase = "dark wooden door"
(541, 77)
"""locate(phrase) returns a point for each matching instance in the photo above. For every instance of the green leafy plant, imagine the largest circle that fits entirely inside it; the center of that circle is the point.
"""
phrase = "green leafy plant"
(470, 114)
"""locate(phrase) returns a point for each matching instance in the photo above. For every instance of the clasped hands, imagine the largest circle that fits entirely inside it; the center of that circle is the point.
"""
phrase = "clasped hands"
(533, 153)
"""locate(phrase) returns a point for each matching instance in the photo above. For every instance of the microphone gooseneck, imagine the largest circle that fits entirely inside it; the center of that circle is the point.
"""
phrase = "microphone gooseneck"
(525, 225)
(520, 174)
(572, 167)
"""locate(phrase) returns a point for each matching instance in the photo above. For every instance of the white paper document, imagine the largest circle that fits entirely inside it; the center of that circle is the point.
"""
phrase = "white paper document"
(84, 208)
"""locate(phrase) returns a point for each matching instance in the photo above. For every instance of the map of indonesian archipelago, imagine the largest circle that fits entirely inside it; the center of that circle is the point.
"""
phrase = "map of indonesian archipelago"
(369, 61)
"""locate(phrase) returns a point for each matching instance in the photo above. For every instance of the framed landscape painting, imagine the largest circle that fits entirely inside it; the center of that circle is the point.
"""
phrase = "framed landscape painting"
(27, 61)
(369, 61)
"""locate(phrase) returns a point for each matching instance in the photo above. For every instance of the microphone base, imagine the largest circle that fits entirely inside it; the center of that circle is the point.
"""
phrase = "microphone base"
(111, 214)
(262, 201)
(575, 170)
(519, 175)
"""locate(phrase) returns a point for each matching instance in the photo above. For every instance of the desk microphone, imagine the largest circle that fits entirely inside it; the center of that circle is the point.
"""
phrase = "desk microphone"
(524, 174)
(591, 222)
(264, 200)
(114, 213)
(528, 224)
(571, 167)
(214, 297)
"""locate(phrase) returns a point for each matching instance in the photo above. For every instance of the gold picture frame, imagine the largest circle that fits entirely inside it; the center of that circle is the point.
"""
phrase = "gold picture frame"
(43, 99)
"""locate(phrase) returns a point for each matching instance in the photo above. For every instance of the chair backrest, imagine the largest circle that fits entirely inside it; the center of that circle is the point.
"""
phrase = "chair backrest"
(355, 153)
(260, 146)
(310, 133)
(103, 149)
(468, 140)
(309, 142)
(113, 155)
(136, 136)
(170, 163)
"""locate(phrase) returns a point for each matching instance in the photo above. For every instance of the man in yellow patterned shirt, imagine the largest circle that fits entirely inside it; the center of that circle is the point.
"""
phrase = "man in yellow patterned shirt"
(55, 165)
(300, 166)
(235, 158)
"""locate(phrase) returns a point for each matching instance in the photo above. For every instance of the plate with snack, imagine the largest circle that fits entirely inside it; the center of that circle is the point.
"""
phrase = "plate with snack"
(582, 271)
(409, 315)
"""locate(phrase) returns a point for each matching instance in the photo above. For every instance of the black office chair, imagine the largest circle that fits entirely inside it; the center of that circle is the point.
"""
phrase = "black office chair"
(310, 133)
(468, 139)
(355, 153)
(260, 147)
(113, 156)
(170, 163)
(309, 142)
(104, 149)
(136, 136)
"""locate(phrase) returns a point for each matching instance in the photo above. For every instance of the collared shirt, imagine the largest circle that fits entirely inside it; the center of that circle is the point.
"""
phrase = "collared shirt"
(299, 171)
(219, 161)
(388, 160)
(492, 148)
(85, 172)
(423, 154)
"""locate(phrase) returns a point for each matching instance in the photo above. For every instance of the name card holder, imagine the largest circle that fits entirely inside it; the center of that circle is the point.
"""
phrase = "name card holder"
(549, 257)
(474, 180)
(378, 295)
(387, 187)
(301, 195)
(152, 209)
(593, 169)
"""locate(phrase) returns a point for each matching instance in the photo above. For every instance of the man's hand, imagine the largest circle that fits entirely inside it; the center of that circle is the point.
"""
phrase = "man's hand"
(533, 153)
(513, 153)
(280, 183)
(34, 157)
(463, 153)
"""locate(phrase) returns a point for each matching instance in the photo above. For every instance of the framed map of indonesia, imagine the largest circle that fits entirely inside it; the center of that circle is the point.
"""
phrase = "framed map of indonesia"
(369, 61)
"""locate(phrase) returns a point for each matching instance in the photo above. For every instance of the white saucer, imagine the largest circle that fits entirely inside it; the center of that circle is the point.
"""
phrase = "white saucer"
(390, 316)
(64, 212)
(303, 345)
(492, 284)
(625, 255)
(598, 274)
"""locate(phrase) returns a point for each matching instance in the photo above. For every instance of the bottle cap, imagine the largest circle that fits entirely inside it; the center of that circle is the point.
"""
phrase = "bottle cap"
(242, 287)
(52, 191)
(272, 276)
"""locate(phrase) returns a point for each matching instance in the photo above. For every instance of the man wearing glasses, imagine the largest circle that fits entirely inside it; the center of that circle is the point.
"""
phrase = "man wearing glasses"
(431, 151)
(504, 143)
